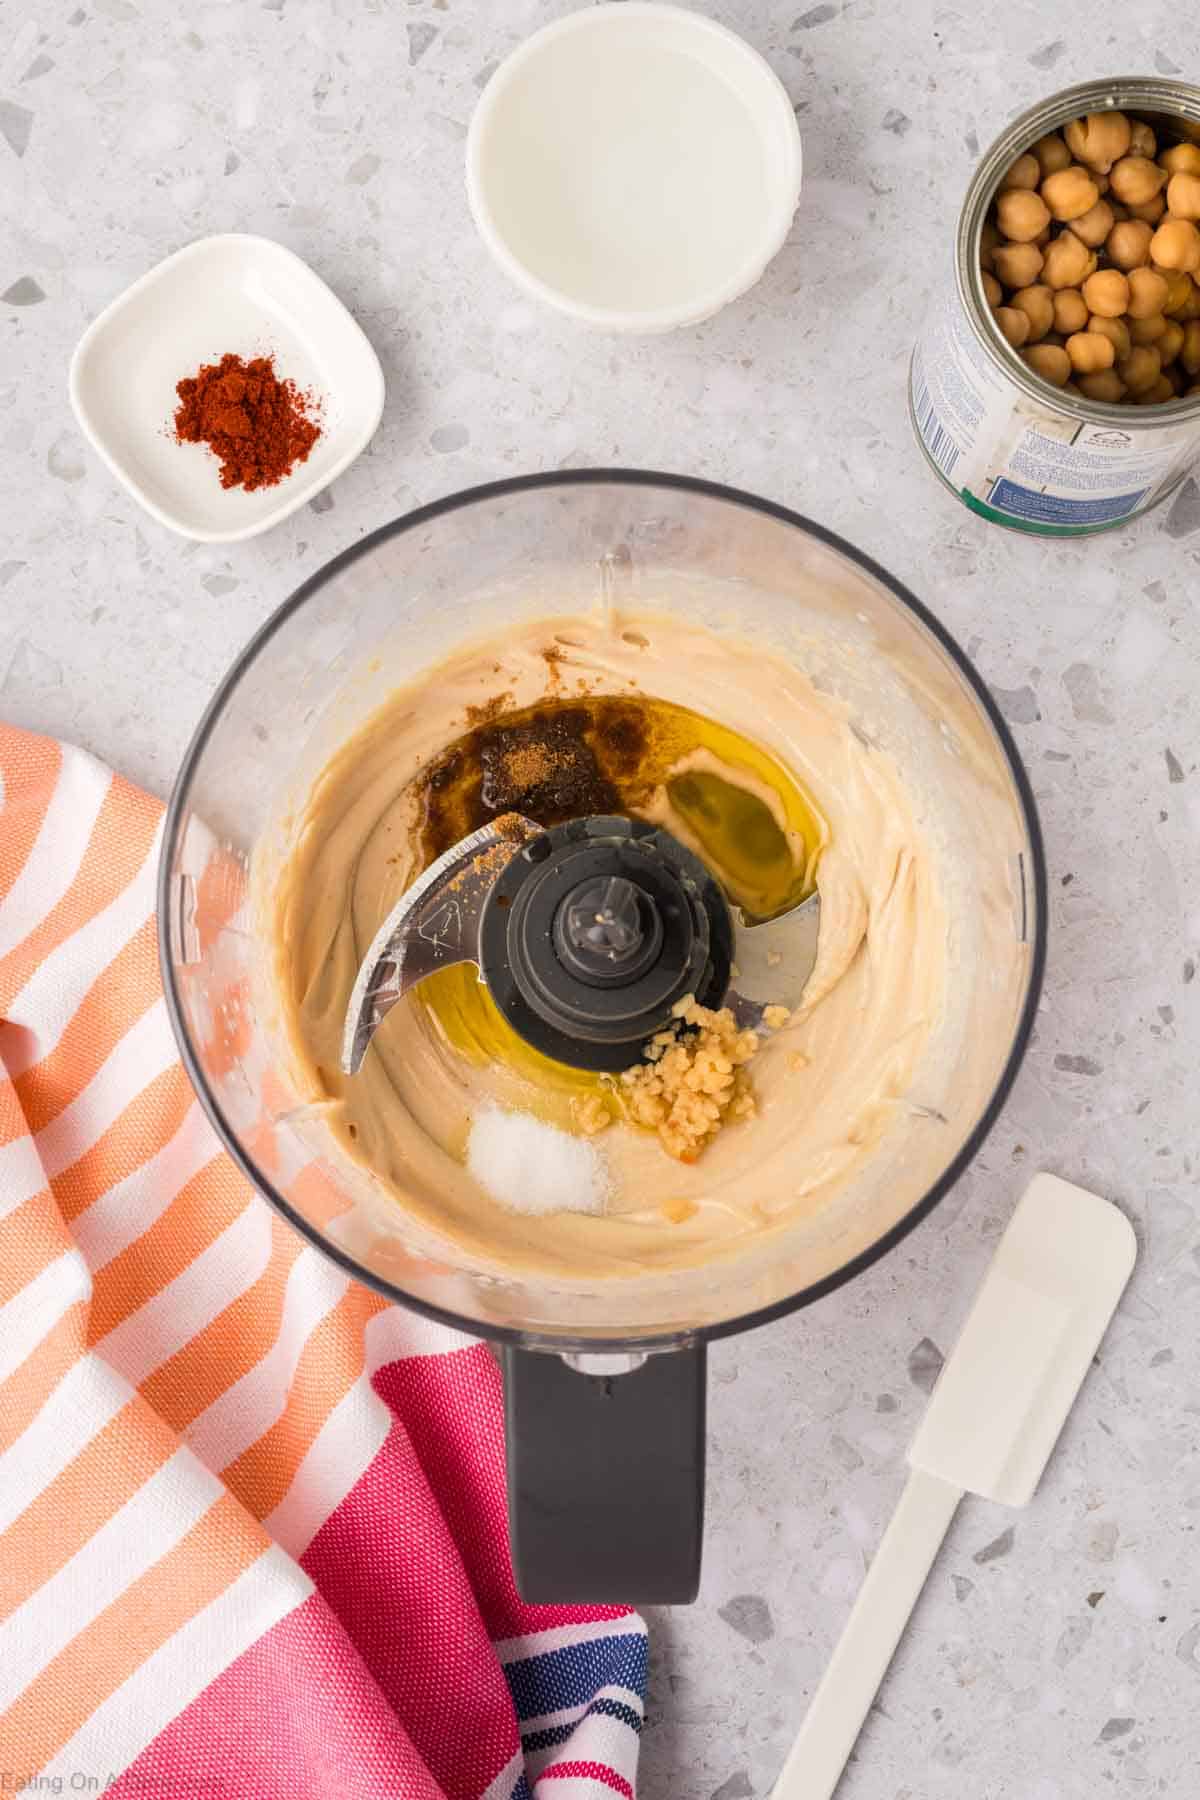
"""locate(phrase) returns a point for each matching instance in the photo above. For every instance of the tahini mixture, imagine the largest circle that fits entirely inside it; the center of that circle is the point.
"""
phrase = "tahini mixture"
(664, 721)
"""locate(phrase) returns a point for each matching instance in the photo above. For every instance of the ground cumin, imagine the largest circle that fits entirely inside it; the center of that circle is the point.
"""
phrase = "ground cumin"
(257, 425)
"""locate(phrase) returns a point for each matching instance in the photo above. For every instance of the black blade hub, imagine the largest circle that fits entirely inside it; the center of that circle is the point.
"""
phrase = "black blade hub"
(594, 931)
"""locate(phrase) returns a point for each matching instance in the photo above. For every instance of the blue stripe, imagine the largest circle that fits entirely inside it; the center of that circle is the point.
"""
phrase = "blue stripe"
(521, 1791)
(551, 1735)
(571, 1676)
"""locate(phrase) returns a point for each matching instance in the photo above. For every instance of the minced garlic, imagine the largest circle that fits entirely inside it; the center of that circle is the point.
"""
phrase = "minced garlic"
(690, 1085)
(589, 1114)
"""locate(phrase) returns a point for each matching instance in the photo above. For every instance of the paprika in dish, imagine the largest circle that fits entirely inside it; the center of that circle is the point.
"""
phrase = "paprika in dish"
(259, 426)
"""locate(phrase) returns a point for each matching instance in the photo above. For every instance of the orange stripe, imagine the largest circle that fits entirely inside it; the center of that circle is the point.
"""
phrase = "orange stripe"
(108, 1651)
(30, 767)
(220, 890)
(317, 1196)
(329, 1365)
(82, 1498)
(12, 1119)
(114, 1003)
(116, 850)
(28, 1388)
(149, 1121)
(233, 1027)
(262, 1143)
(197, 1216)
(276, 1098)
(31, 1238)
(235, 1341)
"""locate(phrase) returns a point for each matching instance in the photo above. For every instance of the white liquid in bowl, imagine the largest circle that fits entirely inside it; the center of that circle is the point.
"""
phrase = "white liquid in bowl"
(637, 164)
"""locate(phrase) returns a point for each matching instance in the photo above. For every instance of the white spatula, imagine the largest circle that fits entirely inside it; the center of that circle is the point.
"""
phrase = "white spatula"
(995, 1416)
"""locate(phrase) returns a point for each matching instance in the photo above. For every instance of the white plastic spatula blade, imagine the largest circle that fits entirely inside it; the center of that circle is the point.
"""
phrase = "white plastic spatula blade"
(991, 1425)
(1037, 1321)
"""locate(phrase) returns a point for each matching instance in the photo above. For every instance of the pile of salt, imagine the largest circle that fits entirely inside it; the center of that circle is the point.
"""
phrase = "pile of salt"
(532, 1167)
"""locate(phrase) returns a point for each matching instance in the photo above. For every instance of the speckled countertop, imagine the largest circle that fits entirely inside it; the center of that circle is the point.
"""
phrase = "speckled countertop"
(1056, 1654)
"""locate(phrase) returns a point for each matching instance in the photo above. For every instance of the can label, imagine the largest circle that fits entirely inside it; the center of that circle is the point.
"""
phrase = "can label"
(1025, 464)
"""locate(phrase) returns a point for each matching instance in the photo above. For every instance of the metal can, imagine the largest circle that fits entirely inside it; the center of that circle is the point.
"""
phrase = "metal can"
(1014, 448)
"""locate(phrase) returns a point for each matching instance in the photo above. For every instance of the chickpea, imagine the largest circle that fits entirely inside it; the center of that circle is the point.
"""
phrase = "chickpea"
(1099, 139)
(1189, 355)
(1105, 384)
(1180, 159)
(1191, 306)
(1014, 324)
(1067, 262)
(1017, 265)
(1176, 245)
(1021, 214)
(1052, 153)
(1142, 141)
(1128, 243)
(1162, 391)
(1089, 352)
(993, 293)
(1147, 331)
(1147, 293)
(1116, 331)
(1038, 304)
(1069, 193)
(1135, 179)
(1094, 225)
(1050, 361)
(1176, 377)
(1101, 181)
(1183, 195)
(1107, 293)
(989, 238)
(1070, 311)
(1140, 369)
(1170, 341)
(1026, 172)
(1179, 291)
(1152, 211)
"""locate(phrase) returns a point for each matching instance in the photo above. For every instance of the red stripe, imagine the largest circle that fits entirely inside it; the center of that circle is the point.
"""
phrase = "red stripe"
(386, 1562)
(296, 1714)
(588, 1771)
(462, 1455)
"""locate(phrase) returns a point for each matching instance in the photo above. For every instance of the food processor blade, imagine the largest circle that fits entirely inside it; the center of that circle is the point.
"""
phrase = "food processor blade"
(772, 960)
(592, 982)
(434, 924)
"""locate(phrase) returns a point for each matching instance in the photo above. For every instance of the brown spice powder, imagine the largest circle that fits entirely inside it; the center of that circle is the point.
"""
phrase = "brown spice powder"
(487, 710)
(526, 765)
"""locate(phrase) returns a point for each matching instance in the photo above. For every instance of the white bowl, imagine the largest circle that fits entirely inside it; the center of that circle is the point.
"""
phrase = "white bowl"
(226, 293)
(635, 165)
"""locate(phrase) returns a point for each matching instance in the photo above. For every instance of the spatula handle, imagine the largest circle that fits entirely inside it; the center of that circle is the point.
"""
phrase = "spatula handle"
(868, 1643)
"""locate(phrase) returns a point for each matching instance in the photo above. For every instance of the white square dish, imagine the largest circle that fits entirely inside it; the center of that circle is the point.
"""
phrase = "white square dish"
(232, 292)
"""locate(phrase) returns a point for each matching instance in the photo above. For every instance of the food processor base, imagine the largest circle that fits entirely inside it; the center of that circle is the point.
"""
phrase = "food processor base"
(605, 1476)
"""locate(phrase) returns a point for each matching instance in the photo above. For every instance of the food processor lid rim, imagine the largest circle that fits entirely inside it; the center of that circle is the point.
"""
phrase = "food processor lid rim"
(634, 478)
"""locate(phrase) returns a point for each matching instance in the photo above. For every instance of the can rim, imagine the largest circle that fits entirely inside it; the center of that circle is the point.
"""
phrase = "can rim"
(1177, 99)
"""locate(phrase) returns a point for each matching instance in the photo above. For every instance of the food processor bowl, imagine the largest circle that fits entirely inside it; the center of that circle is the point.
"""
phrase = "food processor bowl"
(393, 606)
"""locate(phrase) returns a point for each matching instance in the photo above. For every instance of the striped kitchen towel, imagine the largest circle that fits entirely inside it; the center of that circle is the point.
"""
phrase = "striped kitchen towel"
(252, 1527)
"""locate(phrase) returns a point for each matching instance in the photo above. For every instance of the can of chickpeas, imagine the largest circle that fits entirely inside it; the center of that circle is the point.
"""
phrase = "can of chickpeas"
(1056, 390)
